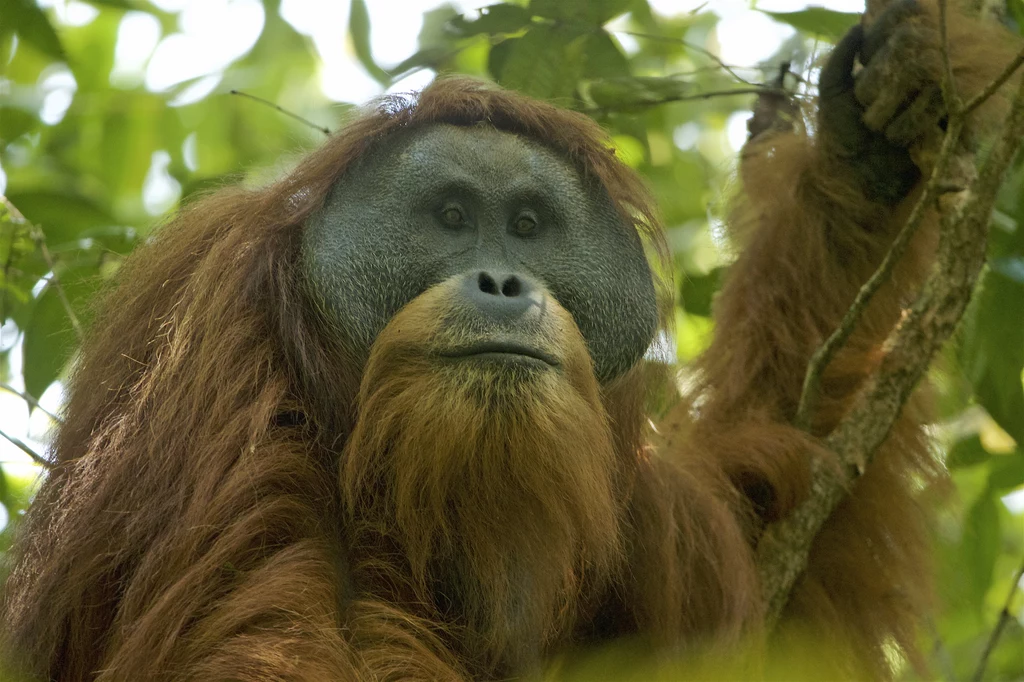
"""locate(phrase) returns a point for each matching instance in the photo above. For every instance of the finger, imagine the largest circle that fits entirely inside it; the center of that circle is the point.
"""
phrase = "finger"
(837, 76)
(923, 115)
(885, 85)
(878, 89)
(882, 29)
(841, 123)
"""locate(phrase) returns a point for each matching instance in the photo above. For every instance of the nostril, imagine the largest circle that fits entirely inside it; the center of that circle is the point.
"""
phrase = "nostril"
(487, 284)
(511, 287)
(498, 295)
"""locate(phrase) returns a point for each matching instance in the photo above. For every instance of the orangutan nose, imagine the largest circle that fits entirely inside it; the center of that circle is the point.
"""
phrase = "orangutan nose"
(500, 296)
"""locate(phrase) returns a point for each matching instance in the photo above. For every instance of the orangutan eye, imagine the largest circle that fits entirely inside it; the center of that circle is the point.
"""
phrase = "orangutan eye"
(526, 225)
(452, 216)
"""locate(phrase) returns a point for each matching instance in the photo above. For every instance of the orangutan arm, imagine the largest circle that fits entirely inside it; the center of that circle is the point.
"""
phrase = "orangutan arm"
(818, 215)
(819, 212)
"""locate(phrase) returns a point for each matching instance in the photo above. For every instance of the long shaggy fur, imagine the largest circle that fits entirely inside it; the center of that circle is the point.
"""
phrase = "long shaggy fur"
(233, 499)
(806, 246)
(507, 485)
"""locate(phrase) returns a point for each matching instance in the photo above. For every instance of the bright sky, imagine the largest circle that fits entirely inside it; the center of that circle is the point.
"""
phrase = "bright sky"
(201, 48)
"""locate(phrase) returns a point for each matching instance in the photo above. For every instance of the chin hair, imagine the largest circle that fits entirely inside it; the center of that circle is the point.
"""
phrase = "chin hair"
(501, 478)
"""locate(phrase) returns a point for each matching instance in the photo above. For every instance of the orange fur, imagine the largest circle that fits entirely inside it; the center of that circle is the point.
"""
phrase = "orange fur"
(508, 483)
(232, 499)
(808, 241)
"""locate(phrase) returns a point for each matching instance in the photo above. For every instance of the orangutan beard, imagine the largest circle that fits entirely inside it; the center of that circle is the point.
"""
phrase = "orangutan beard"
(495, 485)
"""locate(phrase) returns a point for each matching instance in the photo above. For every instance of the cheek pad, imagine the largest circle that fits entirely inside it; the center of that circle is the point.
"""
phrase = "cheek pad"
(605, 283)
(360, 277)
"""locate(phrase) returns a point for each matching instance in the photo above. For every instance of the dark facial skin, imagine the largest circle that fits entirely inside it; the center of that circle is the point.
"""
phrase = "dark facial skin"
(506, 214)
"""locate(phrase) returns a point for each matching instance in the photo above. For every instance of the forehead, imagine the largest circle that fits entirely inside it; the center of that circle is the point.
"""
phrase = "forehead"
(482, 154)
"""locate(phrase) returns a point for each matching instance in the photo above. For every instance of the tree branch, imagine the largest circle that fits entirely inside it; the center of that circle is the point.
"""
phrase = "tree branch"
(32, 402)
(783, 552)
(36, 457)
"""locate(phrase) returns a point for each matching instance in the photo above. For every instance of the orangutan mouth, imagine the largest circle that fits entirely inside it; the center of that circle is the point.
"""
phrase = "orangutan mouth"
(503, 351)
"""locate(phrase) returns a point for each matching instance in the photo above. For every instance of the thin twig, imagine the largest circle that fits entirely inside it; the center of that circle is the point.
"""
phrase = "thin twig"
(949, 89)
(36, 457)
(7, 273)
(1004, 618)
(826, 352)
(691, 46)
(36, 233)
(32, 402)
(756, 90)
(265, 102)
(39, 239)
(991, 88)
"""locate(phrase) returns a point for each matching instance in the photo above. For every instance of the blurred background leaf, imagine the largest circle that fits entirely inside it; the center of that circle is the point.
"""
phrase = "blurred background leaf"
(115, 112)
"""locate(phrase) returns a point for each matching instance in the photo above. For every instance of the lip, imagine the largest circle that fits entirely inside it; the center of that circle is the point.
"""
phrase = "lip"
(503, 348)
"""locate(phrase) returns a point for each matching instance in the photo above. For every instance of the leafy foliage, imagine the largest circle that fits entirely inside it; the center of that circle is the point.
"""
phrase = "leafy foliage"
(25, 18)
(818, 21)
(91, 179)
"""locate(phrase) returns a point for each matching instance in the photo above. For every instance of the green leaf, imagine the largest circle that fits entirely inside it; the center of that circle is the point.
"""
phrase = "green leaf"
(589, 11)
(5, 498)
(426, 58)
(26, 19)
(122, 4)
(15, 122)
(436, 30)
(637, 91)
(679, 208)
(1007, 472)
(23, 266)
(981, 545)
(544, 63)
(92, 52)
(359, 30)
(603, 57)
(49, 342)
(818, 21)
(1016, 8)
(493, 20)
(628, 150)
(135, 125)
(698, 291)
(994, 350)
(63, 216)
(967, 452)
(498, 56)
(50, 339)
